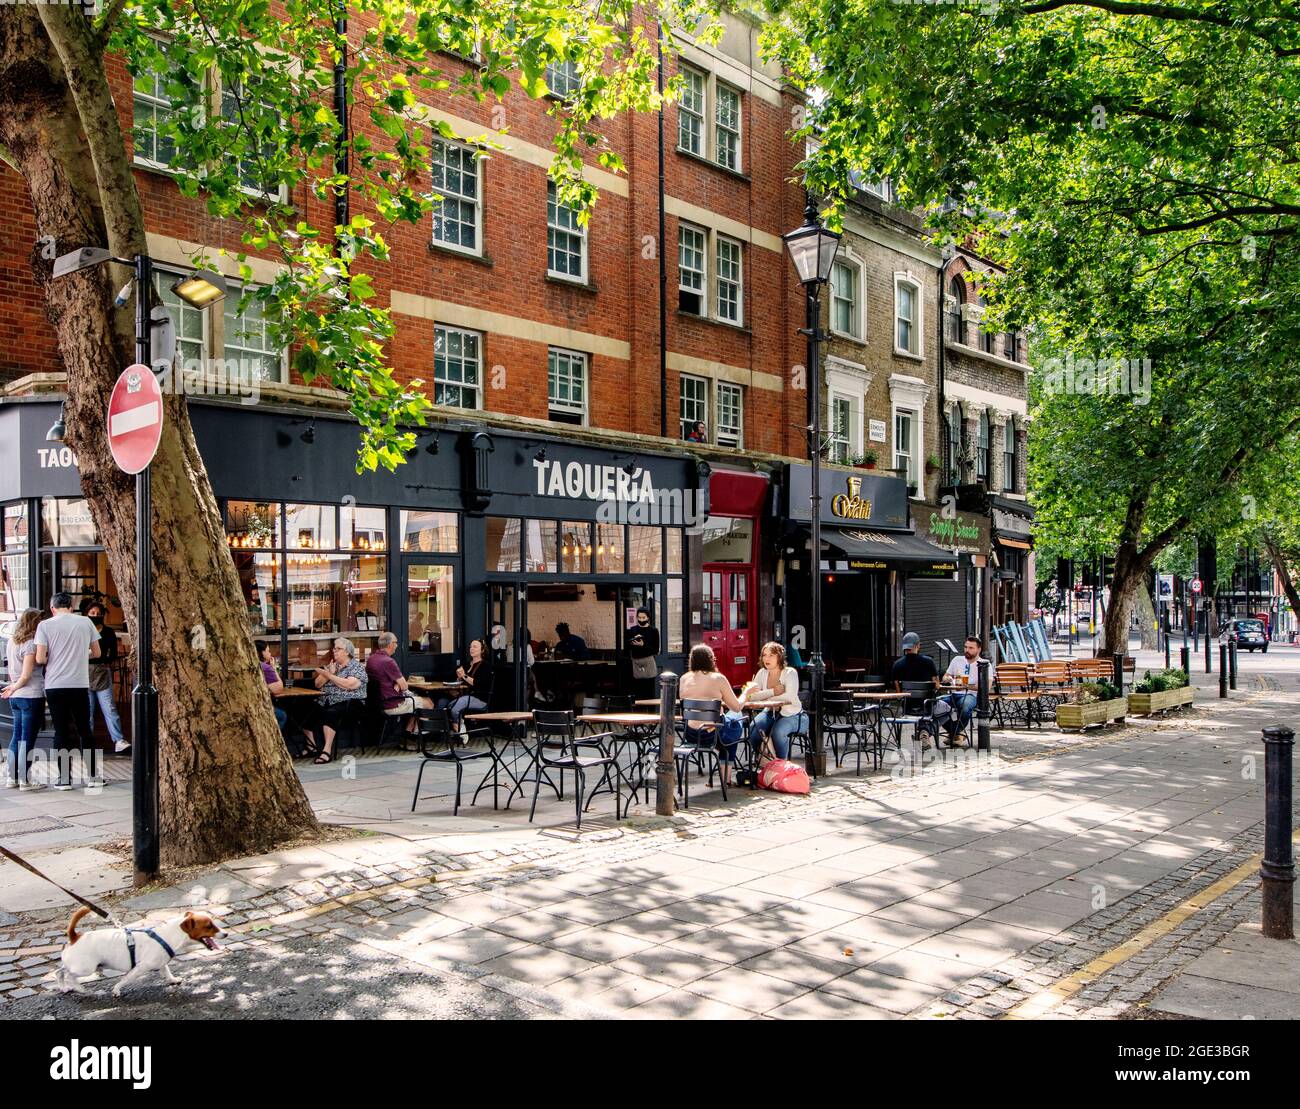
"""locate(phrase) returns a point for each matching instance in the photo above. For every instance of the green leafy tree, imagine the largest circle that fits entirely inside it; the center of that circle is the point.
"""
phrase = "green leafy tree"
(1133, 166)
(227, 783)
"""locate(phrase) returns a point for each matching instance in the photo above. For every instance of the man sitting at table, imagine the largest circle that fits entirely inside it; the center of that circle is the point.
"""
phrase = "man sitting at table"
(955, 710)
(395, 696)
(569, 645)
(913, 666)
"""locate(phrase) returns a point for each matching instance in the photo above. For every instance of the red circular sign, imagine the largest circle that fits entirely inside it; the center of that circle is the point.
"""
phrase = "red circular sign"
(135, 418)
(1196, 585)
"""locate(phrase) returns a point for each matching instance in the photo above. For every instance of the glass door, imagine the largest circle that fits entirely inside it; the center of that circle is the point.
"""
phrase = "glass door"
(429, 633)
(509, 645)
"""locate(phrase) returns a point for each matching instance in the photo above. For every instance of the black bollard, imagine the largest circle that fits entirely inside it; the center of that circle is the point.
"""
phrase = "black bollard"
(1166, 650)
(1223, 669)
(666, 769)
(982, 707)
(1277, 872)
(1185, 660)
(1232, 664)
(1118, 663)
(1209, 669)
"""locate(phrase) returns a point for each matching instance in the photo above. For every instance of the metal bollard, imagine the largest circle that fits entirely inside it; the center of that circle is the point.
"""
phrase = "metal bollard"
(1166, 650)
(1223, 669)
(1232, 664)
(1185, 660)
(1118, 663)
(982, 708)
(1209, 669)
(1277, 872)
(666, 768)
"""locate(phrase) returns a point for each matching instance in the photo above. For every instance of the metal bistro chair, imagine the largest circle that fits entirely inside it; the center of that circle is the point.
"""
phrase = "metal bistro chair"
(866, 735)
(840, 721)
(699, 743)
(434, 729)
(558, 748)
(917, 712)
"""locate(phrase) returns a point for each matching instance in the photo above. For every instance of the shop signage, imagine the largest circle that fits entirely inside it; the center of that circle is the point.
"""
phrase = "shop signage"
(594, 481)
(963, 532)
(876, 431)
(1012, 524)
(847, 497)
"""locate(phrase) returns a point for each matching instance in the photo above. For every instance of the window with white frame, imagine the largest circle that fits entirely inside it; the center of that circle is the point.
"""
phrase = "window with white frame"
(457, 211)
(457, 367)
(690, 111)
(152, 112)
(692, 272)
(566, 239)
(731, 415)
(693, 407)
(243, 110)
(847, 384)
(1009, 456)
(562, 79)
(982, 449)
(248, 342)
(727, 127)
(844, 299)
(566, 386)
(191, 323)
(954, 444)
(906, 447)
(907, 315)
(840, 447)
(730, 281)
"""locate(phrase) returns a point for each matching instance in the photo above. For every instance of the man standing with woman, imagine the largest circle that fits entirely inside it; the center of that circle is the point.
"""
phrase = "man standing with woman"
(65, 644)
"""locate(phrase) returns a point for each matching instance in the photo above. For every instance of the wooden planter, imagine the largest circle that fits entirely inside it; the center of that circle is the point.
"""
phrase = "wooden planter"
(1144, 704)
(1075, 716)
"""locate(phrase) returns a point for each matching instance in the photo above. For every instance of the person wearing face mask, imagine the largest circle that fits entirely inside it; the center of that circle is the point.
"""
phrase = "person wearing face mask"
(643, 647)
(101, 677)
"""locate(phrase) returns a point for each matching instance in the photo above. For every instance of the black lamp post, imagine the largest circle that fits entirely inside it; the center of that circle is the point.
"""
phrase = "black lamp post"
(200, 289)
(812, 249)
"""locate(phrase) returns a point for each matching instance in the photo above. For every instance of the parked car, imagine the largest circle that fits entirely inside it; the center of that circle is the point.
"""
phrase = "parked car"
(1248, 634)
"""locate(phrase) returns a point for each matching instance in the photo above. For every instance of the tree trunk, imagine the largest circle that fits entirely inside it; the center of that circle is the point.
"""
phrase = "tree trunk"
(1283, 568)
(1146, 611)
(227, 783)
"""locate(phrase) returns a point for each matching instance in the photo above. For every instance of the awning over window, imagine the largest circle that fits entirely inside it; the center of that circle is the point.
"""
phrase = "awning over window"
(885, 550)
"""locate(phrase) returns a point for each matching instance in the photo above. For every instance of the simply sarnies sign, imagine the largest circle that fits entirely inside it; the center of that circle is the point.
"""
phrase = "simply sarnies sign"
(964, 532)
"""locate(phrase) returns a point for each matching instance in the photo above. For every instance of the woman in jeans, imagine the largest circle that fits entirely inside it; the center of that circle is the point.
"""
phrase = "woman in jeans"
(777, 686)
(26, 696)
(479, 679)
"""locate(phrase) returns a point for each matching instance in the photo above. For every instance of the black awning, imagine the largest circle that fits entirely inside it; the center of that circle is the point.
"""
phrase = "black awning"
(886, 550)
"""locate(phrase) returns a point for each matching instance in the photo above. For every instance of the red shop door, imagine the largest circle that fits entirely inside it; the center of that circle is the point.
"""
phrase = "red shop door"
(726, 619)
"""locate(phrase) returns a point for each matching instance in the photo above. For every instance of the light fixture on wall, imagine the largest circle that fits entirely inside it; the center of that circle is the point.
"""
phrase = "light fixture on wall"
(58, 429)
(631, 468)
(309, 436)
(540, 456)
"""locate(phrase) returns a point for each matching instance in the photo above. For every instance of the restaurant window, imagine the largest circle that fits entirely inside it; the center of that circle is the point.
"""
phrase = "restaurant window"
(310, 527)
(673, 617)
(429, 532)
(431, 610)
(673, 551)
(731, 415)
(457, 367)
(690, 111)
(566, 386)
(248, 343)
(645, 550)
(692, 276)
(259, 583)
(731, 297)
(456, 209)
(982, 449)
(611, 552)
(502, 549)
(1009, 456)
(541, 547)
(566, 239)
(363, 527)
(253, 524)
(66, 522)
(15, 584)
(576, 549)
(694, 403)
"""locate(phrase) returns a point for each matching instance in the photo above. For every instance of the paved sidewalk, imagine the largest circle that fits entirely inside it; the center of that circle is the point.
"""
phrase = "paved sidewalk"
(970, 892)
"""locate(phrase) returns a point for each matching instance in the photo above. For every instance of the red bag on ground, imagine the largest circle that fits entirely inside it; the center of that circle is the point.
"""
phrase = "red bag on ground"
(783, 776)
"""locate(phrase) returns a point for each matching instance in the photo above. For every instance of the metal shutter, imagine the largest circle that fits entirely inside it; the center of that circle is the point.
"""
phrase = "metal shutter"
(935, 608)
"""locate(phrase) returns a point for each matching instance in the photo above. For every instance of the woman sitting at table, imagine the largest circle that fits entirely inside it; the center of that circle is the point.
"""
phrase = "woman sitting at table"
(343, 691)
(479, 679)
(776, 686)
(703, 682)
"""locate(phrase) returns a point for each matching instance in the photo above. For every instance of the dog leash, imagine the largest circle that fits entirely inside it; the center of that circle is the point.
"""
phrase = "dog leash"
(75, 896)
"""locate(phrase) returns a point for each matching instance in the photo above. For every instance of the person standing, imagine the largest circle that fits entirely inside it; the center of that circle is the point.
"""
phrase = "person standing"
(26, 696)
(101, 677)
(65, 644)
(643, 646)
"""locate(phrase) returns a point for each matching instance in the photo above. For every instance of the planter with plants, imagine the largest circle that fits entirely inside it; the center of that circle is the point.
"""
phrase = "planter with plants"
(932, 464)
(866, 461)
(1160, 691)
(1096, 703)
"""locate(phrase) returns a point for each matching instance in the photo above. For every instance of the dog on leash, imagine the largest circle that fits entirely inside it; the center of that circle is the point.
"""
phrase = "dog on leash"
(134, 952)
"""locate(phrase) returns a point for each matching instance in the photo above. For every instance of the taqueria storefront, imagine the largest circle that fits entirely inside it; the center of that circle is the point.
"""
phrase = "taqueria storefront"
(486, 532)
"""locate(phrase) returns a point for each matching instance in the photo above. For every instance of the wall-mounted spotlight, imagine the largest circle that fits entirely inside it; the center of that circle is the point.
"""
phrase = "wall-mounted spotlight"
(58, 429)
(309, 436)
(540, 456)
(631, 468)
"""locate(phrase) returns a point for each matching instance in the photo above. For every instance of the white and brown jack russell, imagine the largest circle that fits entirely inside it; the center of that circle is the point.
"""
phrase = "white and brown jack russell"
(134, 952)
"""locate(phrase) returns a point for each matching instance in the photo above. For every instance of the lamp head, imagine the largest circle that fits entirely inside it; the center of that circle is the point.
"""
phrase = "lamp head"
(83, 259)
(200, 288)
(812, 249)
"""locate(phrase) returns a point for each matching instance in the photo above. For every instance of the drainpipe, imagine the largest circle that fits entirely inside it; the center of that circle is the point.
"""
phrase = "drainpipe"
(663, 254)
(341, 198)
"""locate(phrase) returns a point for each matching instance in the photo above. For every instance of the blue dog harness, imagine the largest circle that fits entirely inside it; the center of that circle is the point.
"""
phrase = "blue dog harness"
(130, 942)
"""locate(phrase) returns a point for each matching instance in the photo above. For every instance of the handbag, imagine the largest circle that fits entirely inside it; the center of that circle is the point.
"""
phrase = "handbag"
(644, 668)
(783, 776)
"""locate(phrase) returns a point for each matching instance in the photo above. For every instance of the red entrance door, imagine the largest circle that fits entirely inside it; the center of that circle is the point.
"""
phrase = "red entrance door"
(726, 619)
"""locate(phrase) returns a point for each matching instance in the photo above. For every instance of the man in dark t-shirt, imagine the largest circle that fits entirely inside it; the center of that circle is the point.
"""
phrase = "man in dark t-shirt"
(913, 666)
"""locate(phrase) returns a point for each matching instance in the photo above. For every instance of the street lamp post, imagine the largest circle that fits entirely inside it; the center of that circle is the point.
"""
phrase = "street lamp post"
(812, 249)
(198, 289)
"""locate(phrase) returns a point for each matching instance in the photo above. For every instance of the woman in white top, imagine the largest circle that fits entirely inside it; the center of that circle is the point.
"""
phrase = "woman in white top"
(777, 687)
(703, 682)
(26, 695)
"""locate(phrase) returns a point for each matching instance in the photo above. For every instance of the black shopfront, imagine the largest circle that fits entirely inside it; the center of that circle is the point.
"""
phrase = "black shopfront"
(870, 551)
(484, 533)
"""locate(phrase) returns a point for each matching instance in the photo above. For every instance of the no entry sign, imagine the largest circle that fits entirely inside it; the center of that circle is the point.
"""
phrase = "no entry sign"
(135, 417)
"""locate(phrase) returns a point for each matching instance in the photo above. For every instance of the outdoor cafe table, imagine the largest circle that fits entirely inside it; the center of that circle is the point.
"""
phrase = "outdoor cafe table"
(862, 685)
(518, 722)
(425, 685)
(640, 728)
